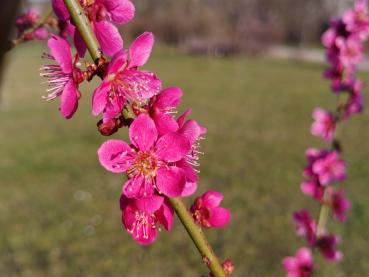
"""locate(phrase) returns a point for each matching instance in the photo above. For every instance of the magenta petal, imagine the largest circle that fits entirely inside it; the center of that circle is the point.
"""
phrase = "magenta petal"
(191, 130)
(165, 216)
(168, 98)
(121, 11)
(143, 133)
(189, 189)
(140, 49)
(69, 100)
(117, 62)
(108, 35)
(191, 174)
(172, 147)
(219, 217)
(60, 9)
(212, 199)
(182, 117)
(171, 181)
(100, 98)
(115, 156)
(165, 123)
(290, 263)
(60, 50)
(79, 43)
(150, 204)
(135, 187)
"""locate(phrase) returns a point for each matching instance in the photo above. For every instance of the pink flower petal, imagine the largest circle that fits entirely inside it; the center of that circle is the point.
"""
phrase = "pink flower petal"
(168, 98)
(108, 35)
(140, 49)
(60, 9)
(170, 181)
(172, 147)
(79, 43)
(138, 187)
(150, 204)
(143, 133)
(219, 217)
(165, 216)
(189, 189)
(115, 156)
(121, 11)
(191, 130)
(100, 98)
(69, 100)
(117, 62)
(60, 50)
(212, 199)
(165, 123)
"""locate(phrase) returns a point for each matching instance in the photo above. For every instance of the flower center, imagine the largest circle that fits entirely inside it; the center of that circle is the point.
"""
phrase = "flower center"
(143, 223)
(146, 164)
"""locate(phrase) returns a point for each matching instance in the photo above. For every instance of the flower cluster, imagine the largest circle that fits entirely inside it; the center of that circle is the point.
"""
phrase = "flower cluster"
(344, 43)
(30, 27)
(161, 158)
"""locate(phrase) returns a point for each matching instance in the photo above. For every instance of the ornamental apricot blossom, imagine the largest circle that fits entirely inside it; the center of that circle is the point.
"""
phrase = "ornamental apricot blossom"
(149, 162)
(207, 212)
(123, 82)
(102, 14)
(324, 124)
(64, 77)
(141, 217)
(301, 265)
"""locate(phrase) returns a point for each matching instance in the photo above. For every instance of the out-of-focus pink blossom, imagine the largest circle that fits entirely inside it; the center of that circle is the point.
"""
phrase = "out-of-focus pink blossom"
(330, 168)
(305, 226)
(324, 124)
(313, 189)
(327, 245)
(357, 19)
(207, 212)
(301, 265)
(340, 204)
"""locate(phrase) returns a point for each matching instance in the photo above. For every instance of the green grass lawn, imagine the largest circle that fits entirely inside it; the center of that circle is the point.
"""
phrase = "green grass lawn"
(59, 213)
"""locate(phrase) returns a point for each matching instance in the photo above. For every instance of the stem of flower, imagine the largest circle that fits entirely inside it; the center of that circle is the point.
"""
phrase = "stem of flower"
(323, 215)
(198, 237)
(83, 25)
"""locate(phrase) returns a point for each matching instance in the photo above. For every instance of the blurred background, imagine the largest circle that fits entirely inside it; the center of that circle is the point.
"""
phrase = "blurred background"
(252, 73)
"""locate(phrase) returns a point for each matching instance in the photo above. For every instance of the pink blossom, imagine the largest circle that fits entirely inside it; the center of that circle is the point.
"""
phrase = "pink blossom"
(305, 226)
(324, 166)
(149, 162)
(63, 77)
(351, 50)
(123, 82)
(327, 245)
(301, 265)
(141, 217)
(357, 20)
(313, 189)
(330, 168)
(206, 210)
(340, 204)
(27, 20)
(163, 106)
(194, 132)
(102, 14)
(355, 103)
(41, 33)
(324, 125)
